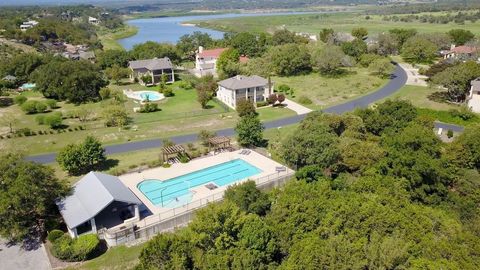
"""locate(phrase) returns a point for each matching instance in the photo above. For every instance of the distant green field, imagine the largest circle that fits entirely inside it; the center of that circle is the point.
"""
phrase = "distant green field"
(313, 23)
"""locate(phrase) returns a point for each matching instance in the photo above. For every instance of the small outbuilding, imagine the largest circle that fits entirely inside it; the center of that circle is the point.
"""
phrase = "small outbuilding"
(98, 201)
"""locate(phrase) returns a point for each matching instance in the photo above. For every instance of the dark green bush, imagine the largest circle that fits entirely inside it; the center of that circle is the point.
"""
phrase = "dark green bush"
(168, 92)
(283, 88)
(40, 107)
(54, 235)
(53, 120)
(450, 133)
(262, 104)
(78, 249)
(34, 106)
(463, 113)
(19, 99)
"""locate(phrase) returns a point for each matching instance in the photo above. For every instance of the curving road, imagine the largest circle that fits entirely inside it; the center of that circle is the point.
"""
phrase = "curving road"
(399, 78)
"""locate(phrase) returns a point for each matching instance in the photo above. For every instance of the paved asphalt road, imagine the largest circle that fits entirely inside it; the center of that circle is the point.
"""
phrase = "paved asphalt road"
(398, 80)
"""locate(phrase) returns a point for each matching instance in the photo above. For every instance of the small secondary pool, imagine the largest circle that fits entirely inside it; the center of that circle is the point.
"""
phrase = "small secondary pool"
(144, 95)
(27, 86)
(177, 191)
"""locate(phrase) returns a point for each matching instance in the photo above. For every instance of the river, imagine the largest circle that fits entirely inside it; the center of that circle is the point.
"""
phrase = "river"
(170, 29)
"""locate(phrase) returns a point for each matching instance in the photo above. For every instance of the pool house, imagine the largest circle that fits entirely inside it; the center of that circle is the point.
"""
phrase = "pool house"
(98, 202)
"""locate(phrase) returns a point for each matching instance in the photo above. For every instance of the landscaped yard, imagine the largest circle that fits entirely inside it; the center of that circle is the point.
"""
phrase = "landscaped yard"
(326, 91)
(420, 97)
(120, 257)
(180, 114)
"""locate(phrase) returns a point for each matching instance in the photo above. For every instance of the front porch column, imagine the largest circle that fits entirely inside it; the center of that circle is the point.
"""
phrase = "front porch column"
(72, 232)
(137, 212)
(94, 226)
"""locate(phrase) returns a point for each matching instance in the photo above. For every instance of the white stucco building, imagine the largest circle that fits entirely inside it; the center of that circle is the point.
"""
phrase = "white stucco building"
(474, 96)
(253, 88)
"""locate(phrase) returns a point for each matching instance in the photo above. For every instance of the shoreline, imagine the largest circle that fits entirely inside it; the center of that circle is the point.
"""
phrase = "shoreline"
(110, 39)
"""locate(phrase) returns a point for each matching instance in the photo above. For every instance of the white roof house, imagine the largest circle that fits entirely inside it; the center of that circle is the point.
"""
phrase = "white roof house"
(253, 88)
(93, 20)
(93, 194)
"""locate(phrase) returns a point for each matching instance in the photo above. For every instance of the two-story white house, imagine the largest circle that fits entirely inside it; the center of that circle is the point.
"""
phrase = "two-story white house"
(154, 68)
(474, 96)
(253, 88)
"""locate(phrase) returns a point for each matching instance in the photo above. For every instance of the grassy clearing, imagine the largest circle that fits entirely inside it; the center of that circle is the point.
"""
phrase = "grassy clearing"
(447, 117)
(326, 91)
(419, 96)
(109, 38)
(120, 257)
(179, 115)
(313, 23)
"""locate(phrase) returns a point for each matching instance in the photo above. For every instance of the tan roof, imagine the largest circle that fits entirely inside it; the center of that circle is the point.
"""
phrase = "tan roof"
(152, 64)
(240, 82)
(463, 49)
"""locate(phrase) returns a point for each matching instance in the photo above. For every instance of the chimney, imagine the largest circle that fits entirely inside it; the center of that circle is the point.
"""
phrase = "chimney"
(200, 49)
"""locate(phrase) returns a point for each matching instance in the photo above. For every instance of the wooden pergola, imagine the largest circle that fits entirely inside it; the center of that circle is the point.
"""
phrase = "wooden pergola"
(169, 151)
(219, 142)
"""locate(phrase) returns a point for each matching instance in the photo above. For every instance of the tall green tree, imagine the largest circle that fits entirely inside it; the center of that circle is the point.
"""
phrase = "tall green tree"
(289, 59)
(328, 60)
(83, 157)
(228, 63)
(151, 49)
(461, 36)
(360, 32)
(456, 79)
(326, 35)
(27, 194)
(249, 130)
(418, 50)
(248, 198)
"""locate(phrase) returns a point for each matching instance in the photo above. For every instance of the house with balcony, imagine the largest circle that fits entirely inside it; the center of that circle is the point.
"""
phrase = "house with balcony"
(253, 88)
(154, 68)
(97, 202)
(461, 53)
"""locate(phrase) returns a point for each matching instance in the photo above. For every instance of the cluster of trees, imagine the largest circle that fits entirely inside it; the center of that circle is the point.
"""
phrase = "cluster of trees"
(369, 187)
(249, 129)
(455, 77)
(459, 18)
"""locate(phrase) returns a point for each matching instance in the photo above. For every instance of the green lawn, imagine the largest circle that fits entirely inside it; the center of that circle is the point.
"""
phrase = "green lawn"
(313, 23)
(179, 115)
(120, 257)
(419, 96)
(326, 91)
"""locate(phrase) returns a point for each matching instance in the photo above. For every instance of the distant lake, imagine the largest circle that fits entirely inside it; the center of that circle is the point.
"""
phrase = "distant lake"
(170, 29)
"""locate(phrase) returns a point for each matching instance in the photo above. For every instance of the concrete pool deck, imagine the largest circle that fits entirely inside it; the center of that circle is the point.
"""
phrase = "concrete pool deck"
(266, 165)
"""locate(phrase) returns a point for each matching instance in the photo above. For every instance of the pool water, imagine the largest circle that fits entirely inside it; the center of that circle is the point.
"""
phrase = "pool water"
(28, 86)
(150, 95)
(177, 191)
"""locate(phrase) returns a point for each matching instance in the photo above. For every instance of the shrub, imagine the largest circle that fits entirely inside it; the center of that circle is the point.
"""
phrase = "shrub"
(149, 107)
(40, 119)
(51, 103)
(204, 135)
(283, 88)
(304, 100)
(105, 93)
(272, 99)
(19, 99)
(168, 92)
(30, 106)
(185, 85)
(40, 107)
(54, 235)
(24, 132)
(53, 120)
(245, 107)
(78, 249)
(464, 113)
(450, 133)
(183, 158)
(262, 104)
(281, 98)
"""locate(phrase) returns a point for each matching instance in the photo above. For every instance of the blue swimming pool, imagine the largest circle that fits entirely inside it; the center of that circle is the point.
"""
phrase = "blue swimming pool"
(150, 96)
(28, 86)
(176, 191)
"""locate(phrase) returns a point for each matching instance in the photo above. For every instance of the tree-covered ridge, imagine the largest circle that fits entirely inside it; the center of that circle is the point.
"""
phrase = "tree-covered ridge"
(375, 189)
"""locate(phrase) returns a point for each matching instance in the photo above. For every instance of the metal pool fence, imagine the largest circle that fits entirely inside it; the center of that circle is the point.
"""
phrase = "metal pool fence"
(171, 219)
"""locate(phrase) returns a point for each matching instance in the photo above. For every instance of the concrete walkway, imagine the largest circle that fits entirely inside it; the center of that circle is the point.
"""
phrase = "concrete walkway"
(398, 80)
(296, 107)
(413, 76)
(14, 257)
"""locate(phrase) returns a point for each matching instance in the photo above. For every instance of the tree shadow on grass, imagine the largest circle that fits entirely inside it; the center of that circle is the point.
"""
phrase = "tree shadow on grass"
(440, 97)
(107, 164)
(5, 101)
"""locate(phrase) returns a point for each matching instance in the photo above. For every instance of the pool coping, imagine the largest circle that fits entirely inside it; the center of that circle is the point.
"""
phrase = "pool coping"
(265, 164)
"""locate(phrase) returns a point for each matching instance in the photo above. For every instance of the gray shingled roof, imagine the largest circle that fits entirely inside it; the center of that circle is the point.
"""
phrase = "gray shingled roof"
(9, 78)
(152, 64)
(92, 194)
(240, 82)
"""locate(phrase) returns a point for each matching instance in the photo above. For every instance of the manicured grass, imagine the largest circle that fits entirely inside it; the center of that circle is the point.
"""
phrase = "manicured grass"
(325, 91)
(419, 96)
(313, 23)
(179, 115)
(120, 257)
(109, 37)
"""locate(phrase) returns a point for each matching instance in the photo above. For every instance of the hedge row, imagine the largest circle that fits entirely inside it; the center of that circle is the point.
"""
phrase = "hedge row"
(78, 249)
(26, 132)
